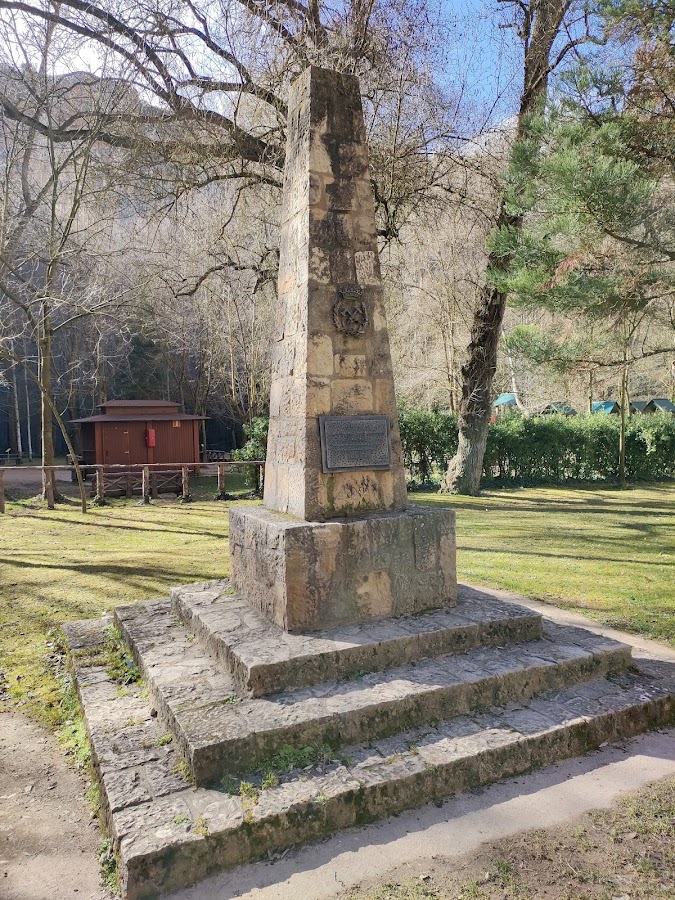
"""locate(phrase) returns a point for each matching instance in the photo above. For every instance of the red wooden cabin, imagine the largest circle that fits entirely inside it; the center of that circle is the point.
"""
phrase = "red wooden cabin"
(139, 433)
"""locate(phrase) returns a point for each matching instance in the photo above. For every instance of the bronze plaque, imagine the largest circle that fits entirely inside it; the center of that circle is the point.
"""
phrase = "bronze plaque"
(354, 442)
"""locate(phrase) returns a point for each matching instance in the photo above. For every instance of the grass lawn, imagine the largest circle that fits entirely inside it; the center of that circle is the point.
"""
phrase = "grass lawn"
(609, 553)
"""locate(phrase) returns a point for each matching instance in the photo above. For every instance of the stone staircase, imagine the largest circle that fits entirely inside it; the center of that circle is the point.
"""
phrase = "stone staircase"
(243, 739)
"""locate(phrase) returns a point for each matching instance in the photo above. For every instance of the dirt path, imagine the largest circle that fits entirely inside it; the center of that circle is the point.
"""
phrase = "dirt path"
(48, 838)
(22, 482)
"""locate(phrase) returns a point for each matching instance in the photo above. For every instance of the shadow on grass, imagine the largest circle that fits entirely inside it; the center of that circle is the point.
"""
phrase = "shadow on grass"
(157, 525)
(587, 557)
(598, 507)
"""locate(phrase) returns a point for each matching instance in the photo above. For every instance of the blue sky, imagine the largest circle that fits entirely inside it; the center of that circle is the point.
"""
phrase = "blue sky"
(485, 55)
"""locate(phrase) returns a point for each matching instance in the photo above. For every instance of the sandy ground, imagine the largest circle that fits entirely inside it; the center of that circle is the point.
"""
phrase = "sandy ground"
(22, 482)
(48, 838)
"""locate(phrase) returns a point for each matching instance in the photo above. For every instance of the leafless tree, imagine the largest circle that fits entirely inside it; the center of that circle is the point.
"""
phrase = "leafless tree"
(55, 225)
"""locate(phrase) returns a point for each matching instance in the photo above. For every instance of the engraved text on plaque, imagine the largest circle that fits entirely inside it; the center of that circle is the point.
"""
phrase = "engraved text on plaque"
(354, 442)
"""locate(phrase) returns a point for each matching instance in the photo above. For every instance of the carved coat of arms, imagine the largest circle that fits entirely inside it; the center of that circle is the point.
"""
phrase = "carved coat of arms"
(349, 312)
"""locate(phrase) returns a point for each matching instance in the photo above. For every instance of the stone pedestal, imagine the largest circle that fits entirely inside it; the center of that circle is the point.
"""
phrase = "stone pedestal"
(335, 542)
(304, 576)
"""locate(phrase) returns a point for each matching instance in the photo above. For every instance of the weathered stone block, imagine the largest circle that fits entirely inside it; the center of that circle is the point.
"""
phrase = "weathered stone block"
(329, 241)
(307, 575)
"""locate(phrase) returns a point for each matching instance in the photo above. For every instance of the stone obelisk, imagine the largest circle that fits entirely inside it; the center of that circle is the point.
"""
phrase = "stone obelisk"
(335, 541)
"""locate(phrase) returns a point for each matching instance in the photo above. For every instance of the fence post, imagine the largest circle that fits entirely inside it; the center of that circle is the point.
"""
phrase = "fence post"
(100, 486)
(2, 491)
(185, 484)
(49, 486)
(146, 485)
(220, 494)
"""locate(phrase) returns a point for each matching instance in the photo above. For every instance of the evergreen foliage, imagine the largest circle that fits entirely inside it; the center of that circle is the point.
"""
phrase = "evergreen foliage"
(559, 449)
(552, 449)
(429, 440)
(255, 433)
(255, 448)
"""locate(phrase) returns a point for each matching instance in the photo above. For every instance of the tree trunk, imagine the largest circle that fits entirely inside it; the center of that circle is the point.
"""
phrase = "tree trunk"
(17, 414)
(514, 386)
(538, 32)
(623, 397)
(591, 391)
(465, 469)
(29, 434)
(45, 375)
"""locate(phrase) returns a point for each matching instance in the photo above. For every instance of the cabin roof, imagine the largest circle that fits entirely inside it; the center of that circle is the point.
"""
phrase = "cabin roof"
(139, 403)
(149, 417)
(604, 406)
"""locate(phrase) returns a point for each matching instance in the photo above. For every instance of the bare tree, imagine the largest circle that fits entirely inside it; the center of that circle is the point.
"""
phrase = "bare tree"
(207, 81)
(55, 225)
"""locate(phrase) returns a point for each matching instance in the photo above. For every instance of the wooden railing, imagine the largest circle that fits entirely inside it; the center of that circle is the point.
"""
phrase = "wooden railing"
(150, 478)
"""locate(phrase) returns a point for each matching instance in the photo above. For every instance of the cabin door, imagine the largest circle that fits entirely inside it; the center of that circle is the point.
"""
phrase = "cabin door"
(125, 444)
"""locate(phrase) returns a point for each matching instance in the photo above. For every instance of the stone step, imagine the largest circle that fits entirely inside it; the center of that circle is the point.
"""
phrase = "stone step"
(264, 659)
(219, 732)
(169, 834)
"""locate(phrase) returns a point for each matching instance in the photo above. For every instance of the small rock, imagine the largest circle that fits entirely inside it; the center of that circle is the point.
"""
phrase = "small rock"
(153, 713)
(28, 789)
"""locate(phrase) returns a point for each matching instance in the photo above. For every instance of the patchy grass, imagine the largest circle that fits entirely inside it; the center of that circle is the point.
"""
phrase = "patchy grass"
(63, 565)
(625, 852)
(608, 553)
(271, 771)
(108, 867)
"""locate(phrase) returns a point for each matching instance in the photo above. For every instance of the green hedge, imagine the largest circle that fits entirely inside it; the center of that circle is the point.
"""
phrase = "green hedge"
(429, 440)
(540, 450)
(255, 448)
(544, 449)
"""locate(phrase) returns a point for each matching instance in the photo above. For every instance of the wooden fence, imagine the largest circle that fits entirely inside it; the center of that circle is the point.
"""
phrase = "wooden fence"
(148, 480)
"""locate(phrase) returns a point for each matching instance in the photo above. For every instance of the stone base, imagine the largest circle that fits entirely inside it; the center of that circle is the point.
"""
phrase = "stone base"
(264, 659)
(388, 740)
(305, 576)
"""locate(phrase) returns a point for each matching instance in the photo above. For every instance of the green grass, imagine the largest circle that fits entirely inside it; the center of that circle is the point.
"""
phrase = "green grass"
(607, 553)
(63, 565)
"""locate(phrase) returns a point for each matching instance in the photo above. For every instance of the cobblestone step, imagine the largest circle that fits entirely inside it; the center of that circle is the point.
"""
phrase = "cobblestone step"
(264, 659)
(220, 732)
(169, 834)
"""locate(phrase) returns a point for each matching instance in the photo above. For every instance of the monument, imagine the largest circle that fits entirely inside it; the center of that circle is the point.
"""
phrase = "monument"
(335, 541)
(340, 676)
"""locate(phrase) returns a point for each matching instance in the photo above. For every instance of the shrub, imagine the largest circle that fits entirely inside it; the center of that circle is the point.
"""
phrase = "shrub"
(429, 440)
(255, 448)
(556, 449)
(540, 450)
